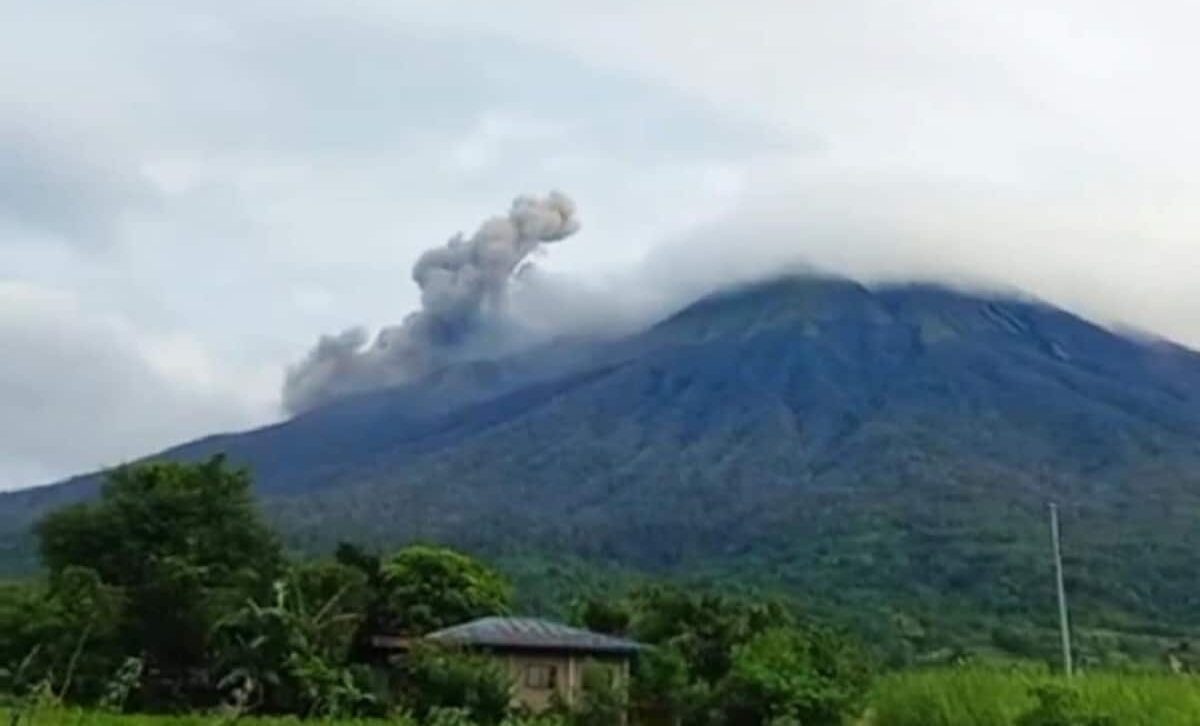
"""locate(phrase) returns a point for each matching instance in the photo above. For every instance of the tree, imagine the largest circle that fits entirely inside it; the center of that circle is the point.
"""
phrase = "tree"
(368, 563)
(809, 676)
(341, 592)
(662, 685)
(184, 543)
(695, 635)
(200, 514)
(605, 700)
(602, 615)
(703, 627)
(62, 636)
(425, 588)
(290, 655)
(437, 679)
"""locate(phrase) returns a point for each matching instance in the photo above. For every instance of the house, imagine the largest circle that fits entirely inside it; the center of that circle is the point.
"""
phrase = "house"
(545, 658)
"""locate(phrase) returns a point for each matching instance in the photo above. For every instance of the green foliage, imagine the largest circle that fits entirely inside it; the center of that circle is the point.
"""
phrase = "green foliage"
(201, 515)
(288, 657)
(169, 592)
(126, 681)
(1058, 704)
(436, 679)
(184, 544)
(160, 595)
(543, 719)
(60, 636)
(449, 717)
(967, 696)
(663, 683)
(424, 588)
(367, 563)
(335, 597)
(603, 615)
(703, 627)
(604, 700)
(809, 675)
(992, 696)
(51, 715)
(729, 660)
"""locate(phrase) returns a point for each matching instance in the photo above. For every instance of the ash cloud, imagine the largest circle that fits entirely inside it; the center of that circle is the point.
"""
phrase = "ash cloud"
(464, 287)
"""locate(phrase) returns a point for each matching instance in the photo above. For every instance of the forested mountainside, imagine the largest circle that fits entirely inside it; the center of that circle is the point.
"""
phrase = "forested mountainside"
(888, 448)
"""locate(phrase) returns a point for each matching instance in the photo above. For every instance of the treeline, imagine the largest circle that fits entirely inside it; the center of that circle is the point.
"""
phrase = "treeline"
(170, 594)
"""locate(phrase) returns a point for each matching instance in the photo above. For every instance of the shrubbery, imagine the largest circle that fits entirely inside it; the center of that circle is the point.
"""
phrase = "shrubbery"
(720, 660)
(169, 593)
(436, 680)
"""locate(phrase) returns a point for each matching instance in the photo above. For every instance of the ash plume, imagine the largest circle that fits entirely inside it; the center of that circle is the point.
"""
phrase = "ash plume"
(463, 286)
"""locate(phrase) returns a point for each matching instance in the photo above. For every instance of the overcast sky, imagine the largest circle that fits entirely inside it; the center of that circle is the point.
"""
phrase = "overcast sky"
(190, 197)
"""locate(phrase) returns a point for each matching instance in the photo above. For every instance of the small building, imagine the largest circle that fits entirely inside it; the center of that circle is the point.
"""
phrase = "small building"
(544, 657)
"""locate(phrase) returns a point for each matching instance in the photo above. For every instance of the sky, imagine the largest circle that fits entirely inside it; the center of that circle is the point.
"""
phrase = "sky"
(191, 194)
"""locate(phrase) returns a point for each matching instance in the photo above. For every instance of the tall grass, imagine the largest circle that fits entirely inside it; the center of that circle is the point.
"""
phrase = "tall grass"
(964, 696)
(59, 716)
(77, 717)
(993, 696)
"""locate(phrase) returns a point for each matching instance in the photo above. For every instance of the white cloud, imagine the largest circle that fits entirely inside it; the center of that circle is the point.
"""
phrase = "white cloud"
(227, 183)
(62, 187)
(499, 132)
(81, 389)
(1119, 260)
(245, 181)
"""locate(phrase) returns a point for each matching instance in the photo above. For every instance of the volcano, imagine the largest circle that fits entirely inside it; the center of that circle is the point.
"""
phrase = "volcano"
(847, 444)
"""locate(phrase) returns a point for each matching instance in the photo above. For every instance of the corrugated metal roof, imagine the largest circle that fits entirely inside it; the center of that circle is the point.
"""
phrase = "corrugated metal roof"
(531, 633)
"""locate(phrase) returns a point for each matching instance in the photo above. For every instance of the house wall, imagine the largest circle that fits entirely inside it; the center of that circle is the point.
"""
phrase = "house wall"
(568, 681)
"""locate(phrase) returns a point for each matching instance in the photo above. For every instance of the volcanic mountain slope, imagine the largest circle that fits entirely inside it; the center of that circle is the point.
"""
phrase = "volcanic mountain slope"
(896, 444)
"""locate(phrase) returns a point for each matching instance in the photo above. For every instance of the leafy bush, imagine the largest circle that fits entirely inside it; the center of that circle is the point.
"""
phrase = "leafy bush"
(1057, 704)
(288, 656)
(604, 700)
(436, 679)
(425, 588)
(810, 676)
(61, 636)
(663, 683)
(724, 660)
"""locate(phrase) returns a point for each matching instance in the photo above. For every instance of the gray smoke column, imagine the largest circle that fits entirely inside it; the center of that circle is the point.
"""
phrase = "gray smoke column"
(463, 286)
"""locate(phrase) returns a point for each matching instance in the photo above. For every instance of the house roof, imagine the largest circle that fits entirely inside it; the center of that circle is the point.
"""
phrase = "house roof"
(531, 634)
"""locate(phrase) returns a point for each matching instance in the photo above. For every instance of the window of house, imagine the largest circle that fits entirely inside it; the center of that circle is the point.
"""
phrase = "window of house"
(541, 675)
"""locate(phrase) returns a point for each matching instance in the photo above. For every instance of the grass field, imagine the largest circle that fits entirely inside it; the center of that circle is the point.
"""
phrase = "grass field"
(979, 696)
(74, 717)
(966, 696)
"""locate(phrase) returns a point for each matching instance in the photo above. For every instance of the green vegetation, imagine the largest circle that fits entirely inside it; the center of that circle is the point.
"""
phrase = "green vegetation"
(966, 696)
(178, 548)
(60, 716)
(422, 589)
(170, 595)
(724, 660)
(1024, 696)
(437, 680)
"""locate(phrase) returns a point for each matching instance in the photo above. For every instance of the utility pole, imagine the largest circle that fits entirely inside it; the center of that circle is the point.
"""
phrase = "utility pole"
(1063, 624)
